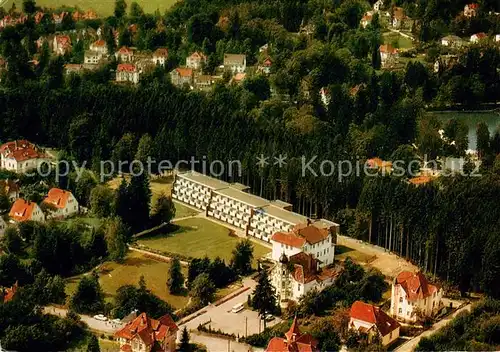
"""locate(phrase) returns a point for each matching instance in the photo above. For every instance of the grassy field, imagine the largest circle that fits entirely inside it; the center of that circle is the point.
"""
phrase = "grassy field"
(88, 220)
(108, 345)
(113, 275)
(182, 211)
(342, 252)
(402, 42)
(103, 7)
(198, 237)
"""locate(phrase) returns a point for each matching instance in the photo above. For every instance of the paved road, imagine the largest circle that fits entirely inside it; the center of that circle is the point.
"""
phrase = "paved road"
(94, 324)
(410, 345)
(215, 344)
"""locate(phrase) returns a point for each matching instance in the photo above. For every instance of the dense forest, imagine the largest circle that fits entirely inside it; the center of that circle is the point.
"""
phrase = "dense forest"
(449, 227)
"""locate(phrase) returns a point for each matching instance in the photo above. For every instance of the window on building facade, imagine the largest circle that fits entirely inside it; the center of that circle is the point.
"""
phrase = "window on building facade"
(400, 310)
(400, 299)
(298, 287)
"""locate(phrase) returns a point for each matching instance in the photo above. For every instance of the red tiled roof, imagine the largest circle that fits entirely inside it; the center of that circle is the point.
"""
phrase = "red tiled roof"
(373, 315)
(480, 35)
(148, 330)
(366, 18)
(100, 43)
(197, 56)
(126, 67)
(387, 48)
(21, 150)
(294, 342)
(184, 72)
(126, 348)
(419, 180)
(267, 62)
(473, 6)
(399, 13)
(63, 40)
(57, 197)
(21, 210)
(10, 293)
(125, 50)
(289, 238)
(415, 285)
(301, 234)
(161, 52)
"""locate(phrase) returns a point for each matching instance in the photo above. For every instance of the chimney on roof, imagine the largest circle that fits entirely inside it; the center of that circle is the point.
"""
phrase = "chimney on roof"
(15, 144)
(309, 222)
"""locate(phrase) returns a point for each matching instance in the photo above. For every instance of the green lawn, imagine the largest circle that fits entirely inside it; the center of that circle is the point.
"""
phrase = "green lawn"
(102, 7)
(402, 42)
(113, 275)
(342, 252)
(88, 220)
(108, 345)
(182, 211)
(198, 237)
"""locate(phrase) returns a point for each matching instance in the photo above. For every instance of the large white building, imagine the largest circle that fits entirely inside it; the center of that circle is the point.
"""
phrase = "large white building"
(231, 203)
(21, 156)
(413, 296)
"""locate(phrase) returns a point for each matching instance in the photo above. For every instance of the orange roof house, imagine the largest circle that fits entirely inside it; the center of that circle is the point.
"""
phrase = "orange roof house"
(58, 198)
(156, 335)
(23, 210)
(420, 180)
(301, 235)
(9, 293)
(294, 341)
(372, 320)
(413, 297)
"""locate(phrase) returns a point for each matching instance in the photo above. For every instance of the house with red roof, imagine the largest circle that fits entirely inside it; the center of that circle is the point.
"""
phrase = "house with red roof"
(366, 19)
(266, 65)
(470, 10)
(308, 238)
(61, 44)
(476, 38)
(127, 73)
(147, 334)
(125, 54)
(59, 17)
(388, 55)
(373, 321)
(23, 210)
(9, 293)
(294, 341)
(21, 156)
(196, 60)
(181, 76)
(413, 297)
(398, 17)
(160, 57)
(100, 47)
(38, 16)
(62, 202)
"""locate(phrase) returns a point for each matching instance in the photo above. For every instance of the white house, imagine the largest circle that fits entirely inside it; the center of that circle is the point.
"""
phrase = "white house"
(497, 38)
(160, 57)
(470, 10)
(371, 320)
(63, 202)
(412, 295)
(476, 38)
(3, 226)
(377, 5)
(21, 156)
(388, 55)
(100, 47)
(23, 210)
(236, 63)
(125, 54)
(196, 60)
(452, 41)
(294, 276)
(127, 73)
(181, 76)
(307, 238)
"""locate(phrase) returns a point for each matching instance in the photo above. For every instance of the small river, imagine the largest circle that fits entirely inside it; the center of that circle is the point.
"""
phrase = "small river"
(492, 119)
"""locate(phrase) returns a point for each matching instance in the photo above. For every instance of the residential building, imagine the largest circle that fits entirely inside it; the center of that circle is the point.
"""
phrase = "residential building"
(379, 164)
(308, 237)
(160, 57)
(23, 210)
(294, 341)
(236, 63)
(92, 57)
(21, 156)
(196, 60)
(373, 321)
(470, 10)
(452, 41)
(100, 47)
(3, 226)
(378, 5)
(294, 276)
(38, 16)
(59, 17)
(325, 96)
(10, 292)
(61, 44)
(231, 203)
(125, 54)
(203, 82)
(146, 334)
(11, 189)
(366, 20)
(445, 62)
(63, 202)
(264, 48)
(476, 38)
(73, 68)
(127, 73)
(388, 55)
(238, 78)
(181, 76)
(413, 297)
(266, 65)
(398, 17)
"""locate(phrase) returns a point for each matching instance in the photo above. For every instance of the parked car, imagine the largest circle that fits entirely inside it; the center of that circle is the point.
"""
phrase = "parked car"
(268, 317)
(100, 317)
(238, 308)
